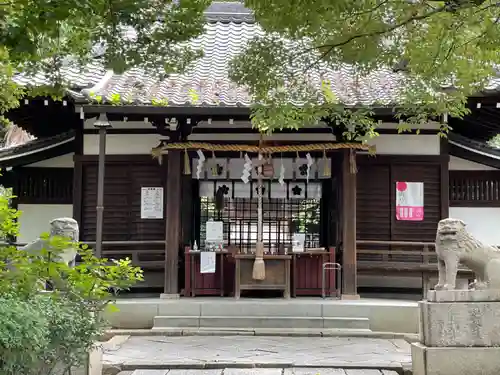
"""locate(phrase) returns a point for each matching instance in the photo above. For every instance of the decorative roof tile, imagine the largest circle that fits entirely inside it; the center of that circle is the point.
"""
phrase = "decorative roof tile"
(34, 146)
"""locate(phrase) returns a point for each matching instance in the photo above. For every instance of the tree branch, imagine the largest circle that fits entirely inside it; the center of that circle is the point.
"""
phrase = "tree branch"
(433, 12)
(371, 10)
(387, 30)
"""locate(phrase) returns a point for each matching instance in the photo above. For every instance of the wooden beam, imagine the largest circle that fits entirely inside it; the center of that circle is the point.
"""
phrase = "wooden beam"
(173, 222)
(400, 159)
(349, 269)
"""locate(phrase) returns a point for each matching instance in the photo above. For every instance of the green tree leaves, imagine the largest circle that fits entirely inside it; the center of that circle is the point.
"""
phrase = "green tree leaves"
(44, 36)
(435, 44)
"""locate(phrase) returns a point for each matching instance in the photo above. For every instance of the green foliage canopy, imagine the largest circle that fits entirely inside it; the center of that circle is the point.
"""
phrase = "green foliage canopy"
(444, 51)
(42, 35)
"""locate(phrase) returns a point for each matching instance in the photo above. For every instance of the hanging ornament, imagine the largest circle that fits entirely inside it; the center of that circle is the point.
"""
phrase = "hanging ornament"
(247, 169)
(215, 166)
(310, 162)
(281, 178)
(260, 166)
(200, 165)
(327, 172)
(352, 162)
(187, 164)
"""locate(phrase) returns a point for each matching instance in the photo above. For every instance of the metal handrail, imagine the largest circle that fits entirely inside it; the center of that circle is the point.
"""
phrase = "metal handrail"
(329, 266)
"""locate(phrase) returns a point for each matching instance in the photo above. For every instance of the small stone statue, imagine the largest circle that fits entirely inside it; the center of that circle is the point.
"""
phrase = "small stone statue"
(454, 245)
(64, 227)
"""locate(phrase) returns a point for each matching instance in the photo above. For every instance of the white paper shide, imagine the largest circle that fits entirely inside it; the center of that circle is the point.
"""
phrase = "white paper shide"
(152, 203)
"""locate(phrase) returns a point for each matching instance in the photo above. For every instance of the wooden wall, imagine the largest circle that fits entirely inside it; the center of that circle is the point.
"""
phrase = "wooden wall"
(122, 192)
(376, 195)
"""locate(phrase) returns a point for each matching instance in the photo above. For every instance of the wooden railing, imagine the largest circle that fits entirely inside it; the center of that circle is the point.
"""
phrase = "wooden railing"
(474, 188)
(391, 253)
(398, 256)
(145, 254)
(401, 258)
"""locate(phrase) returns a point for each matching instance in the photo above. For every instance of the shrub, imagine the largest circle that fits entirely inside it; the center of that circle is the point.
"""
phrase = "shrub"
(24, 334)
(48, 333)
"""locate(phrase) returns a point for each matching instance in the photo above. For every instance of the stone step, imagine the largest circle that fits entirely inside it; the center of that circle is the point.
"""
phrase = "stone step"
(260, 322)
(262, 371)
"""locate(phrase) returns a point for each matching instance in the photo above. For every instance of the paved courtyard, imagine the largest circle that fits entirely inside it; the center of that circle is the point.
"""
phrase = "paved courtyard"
(272, 355)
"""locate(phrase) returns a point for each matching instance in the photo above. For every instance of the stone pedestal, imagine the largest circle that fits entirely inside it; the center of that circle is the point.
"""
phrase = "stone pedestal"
(459, 334)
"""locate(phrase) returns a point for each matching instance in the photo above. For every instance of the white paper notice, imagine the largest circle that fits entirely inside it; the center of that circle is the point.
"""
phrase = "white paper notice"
(215, 232)
(214, 235)
(152, 203)
(207, 262)
(298, 242)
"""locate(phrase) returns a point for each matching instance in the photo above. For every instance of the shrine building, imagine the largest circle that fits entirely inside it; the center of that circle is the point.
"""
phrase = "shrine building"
(175, 185)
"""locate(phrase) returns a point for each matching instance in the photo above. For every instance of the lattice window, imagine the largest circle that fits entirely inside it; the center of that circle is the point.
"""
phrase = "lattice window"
(474, 188)
(42, 185)
(283, 215)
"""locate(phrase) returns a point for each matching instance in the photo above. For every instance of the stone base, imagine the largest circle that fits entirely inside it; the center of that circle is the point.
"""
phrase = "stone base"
(169, 296)
(350, 297)
(93, 365)
(445, 324)
(488, 295)
(454, 361)
(95, 361)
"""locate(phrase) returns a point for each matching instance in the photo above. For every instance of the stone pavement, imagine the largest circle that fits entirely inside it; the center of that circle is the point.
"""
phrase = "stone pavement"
(289, 371)
(266, 353)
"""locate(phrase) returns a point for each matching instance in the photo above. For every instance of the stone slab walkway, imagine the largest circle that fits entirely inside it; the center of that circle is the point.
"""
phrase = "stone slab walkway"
(231, 352)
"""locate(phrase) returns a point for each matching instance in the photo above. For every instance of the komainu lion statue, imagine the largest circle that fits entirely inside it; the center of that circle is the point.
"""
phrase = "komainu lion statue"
(64, 227)
(454, 246)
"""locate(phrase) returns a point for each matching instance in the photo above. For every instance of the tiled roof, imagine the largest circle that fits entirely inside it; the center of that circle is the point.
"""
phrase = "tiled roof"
(34, 146)
(229, 27)
(469, 143)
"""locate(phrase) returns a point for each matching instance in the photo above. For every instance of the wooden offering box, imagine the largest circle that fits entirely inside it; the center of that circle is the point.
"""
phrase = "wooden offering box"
(277, 274)
(203, 284)
(307, 271)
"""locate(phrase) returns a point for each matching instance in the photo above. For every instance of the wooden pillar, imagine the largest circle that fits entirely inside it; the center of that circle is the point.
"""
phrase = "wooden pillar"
(349, 269)
(173, 223)
(78, 174)
(187, 210)
(445, 179)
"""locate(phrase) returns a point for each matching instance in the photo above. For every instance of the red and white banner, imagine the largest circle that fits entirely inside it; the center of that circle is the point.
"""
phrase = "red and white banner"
(410, 201)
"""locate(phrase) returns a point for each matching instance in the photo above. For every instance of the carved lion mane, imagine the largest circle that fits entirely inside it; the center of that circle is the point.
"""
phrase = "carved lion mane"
(453, 235)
